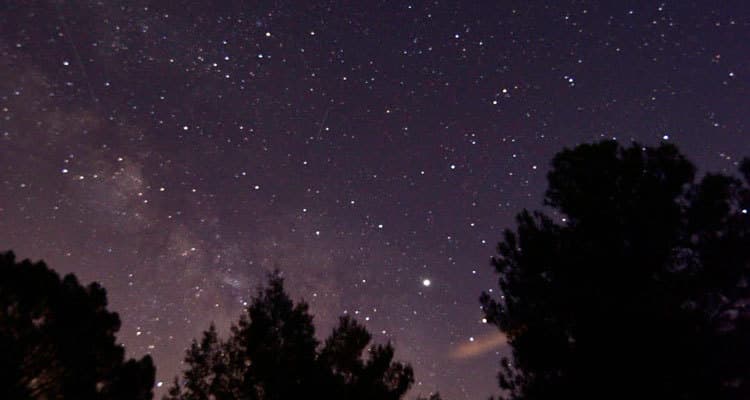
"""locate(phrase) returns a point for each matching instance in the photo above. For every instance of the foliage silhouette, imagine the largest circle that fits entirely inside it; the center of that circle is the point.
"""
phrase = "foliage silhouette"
(272, 354)
(57, 339)
(640, 292)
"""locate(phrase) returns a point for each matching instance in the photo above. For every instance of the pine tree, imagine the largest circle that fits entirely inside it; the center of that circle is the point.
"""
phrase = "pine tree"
(272, 354)
(57, 339)
(636, 286)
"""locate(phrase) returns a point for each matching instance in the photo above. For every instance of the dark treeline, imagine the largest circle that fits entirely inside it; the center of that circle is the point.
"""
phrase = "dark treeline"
(633, 285)
(57, 341)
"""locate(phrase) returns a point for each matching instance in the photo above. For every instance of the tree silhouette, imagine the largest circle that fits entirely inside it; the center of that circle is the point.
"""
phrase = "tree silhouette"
(57, 339)
(272, 354)
(354, 378)
(640, 292)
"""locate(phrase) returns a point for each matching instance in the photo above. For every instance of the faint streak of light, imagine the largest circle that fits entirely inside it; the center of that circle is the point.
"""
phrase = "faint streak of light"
(479, 346)
(323, 122)
(69, 38)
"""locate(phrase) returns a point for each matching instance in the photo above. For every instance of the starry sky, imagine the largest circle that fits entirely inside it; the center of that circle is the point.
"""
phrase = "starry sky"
(374, 151)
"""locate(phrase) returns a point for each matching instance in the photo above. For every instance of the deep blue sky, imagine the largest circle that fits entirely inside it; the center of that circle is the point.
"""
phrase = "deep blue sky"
(176, 152)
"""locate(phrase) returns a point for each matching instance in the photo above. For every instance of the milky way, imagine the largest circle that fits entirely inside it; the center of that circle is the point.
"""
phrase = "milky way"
(373, 151)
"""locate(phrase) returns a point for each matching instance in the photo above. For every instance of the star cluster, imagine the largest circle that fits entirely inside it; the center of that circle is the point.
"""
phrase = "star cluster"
(373, 151)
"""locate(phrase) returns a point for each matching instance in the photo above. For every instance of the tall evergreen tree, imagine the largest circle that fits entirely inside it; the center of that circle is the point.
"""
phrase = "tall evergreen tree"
(639, 291)
(57, 339)
(272, 354)
(377, 377)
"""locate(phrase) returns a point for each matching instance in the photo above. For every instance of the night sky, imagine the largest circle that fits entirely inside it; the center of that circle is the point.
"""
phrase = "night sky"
(175, 151)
